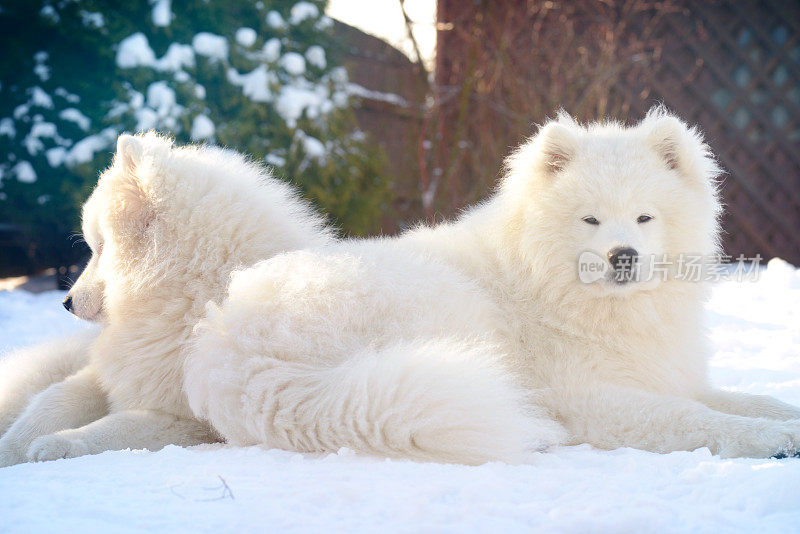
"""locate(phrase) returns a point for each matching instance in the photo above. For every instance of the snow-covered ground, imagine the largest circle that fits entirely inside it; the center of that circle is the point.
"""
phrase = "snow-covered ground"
(755, 327)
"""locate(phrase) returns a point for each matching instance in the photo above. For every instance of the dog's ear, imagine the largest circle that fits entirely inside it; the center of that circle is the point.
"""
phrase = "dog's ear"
(126, 181)
(129, 152)
(556, 146)
(680, 147)
(542, 156)
(667, 136)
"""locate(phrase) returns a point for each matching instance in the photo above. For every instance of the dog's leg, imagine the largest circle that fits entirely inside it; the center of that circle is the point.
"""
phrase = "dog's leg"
(747, 405)
(609, 416)
(76, 401)
(28, 371)
(130, 429)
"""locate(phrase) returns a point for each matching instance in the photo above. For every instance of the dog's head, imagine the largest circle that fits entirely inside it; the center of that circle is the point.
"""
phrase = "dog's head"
(117, 221)
(166, 225)
(615, 204)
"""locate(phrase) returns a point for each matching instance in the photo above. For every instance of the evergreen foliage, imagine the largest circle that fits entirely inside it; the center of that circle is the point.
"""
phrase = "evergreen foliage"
(252, 76)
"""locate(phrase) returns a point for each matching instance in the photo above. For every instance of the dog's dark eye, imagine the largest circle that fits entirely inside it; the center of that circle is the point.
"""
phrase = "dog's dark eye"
(643, 219)
(591, 220)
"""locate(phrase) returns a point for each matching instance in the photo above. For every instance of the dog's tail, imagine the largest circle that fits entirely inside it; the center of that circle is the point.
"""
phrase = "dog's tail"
(440, 400)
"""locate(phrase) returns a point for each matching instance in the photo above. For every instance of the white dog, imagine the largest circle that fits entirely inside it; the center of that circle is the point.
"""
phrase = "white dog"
(28, 371)
(624, 359)
(619, 362)
(365, 346)
(166, 227)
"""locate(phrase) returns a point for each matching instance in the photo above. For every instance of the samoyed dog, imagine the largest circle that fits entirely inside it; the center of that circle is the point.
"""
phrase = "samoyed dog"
(366, 346)
(26, 372)
(166, 227)
(415, 346)
(623, 360)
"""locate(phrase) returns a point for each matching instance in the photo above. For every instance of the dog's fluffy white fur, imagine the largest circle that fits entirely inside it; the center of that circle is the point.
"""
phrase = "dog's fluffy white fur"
(166, 226)
(617, 364)
(362, 346)
(28, 371)
(466, 342)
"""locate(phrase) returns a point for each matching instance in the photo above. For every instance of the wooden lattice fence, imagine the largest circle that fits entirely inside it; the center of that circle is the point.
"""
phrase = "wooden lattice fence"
(731, 66)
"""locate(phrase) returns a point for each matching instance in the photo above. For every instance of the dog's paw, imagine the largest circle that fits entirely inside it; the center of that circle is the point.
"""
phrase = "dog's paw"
(10, 457)
(54, 447)
(10, 451)
(769, 439)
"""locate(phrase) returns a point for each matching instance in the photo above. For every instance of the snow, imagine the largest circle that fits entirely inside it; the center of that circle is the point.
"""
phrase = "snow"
(75, 115)
(316, 56)
(24, 316)
(324, 23)
(41, 70)
(43, 129)
(362, 92)
(275, 160)
(293, 63)
(56, 156)
(293, 100)
(217, 488)
(161, 97)
(66, 95)
(25, 173)
(162, 108)
(162, 13)
(177, 56)
(338, 75)
(272, 50)
(146, 119)
(254, 84)
(134, 105)
(21, 111)
(202, 128)
(135, 51)
(40, 98)
(182, 76)
(33, 141)
(302, 11)
(313, 147)
(7, 127)
(275, 21)
(84, 150)
(92, 20)
(246, 37)
(279, 74)
(339, 98)
(211, 45)
(49, 13)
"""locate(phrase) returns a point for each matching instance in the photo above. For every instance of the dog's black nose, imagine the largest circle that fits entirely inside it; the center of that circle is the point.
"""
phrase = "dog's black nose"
(622, 258)
(68, 303)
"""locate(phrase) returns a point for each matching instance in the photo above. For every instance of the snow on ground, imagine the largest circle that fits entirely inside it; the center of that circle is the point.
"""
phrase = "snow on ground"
(214, 488)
